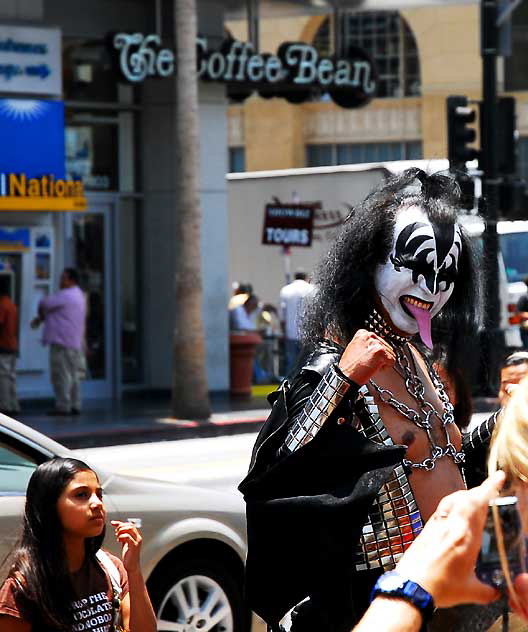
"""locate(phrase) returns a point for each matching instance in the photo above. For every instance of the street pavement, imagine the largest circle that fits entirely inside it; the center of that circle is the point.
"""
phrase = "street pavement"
(141, 419)
(213, 462)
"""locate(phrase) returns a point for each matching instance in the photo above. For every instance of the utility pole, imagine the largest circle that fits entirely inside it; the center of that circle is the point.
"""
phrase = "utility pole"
(492, 339)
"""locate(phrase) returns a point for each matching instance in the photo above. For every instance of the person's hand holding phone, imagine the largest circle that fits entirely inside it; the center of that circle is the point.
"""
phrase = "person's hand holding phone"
(442, 559)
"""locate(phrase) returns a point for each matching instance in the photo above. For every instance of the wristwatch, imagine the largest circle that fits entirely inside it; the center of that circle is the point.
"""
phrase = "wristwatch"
(393, 585)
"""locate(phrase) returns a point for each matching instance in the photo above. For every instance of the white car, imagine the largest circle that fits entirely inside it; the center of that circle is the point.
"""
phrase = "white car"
(513, 268)
(194, 544)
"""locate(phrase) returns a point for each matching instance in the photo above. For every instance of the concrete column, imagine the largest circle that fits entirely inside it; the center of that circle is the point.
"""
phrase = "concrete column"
(159, 163)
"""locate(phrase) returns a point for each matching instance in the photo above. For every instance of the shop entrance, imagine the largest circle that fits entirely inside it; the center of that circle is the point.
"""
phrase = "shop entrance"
(88, 240)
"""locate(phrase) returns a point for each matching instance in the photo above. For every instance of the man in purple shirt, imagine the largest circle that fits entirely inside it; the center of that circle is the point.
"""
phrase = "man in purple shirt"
(64, 316)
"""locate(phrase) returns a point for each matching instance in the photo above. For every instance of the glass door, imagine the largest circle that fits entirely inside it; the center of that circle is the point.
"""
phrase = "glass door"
(88, 240)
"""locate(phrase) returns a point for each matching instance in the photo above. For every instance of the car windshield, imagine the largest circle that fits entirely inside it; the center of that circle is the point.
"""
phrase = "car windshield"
(514, 248)
(15, 470)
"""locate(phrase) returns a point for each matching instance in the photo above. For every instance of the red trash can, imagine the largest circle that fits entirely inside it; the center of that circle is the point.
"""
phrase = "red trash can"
(242, 347)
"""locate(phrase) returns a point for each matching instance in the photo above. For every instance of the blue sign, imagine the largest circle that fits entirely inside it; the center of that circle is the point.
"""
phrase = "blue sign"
(14, 239)
(32, 133)
(30, 60)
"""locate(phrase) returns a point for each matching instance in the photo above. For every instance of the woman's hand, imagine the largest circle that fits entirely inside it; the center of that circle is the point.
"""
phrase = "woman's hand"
(521, 588)
(130, 538)
(138, 615)
(442, 559)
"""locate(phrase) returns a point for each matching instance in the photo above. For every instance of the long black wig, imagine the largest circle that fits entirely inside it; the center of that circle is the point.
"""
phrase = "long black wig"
(344, 278)
(39, 562)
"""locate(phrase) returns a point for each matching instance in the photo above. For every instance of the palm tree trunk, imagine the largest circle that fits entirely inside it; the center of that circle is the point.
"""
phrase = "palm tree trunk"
(190, 397)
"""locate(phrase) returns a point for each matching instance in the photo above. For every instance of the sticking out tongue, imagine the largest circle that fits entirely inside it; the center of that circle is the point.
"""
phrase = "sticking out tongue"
(423, 318)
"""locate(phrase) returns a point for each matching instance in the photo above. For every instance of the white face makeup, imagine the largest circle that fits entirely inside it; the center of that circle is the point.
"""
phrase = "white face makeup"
(418, 277)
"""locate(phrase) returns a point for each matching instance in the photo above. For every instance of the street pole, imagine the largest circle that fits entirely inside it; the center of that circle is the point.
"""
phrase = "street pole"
(492, 339)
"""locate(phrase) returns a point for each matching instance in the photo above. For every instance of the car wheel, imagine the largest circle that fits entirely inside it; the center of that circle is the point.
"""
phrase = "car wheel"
(198, 595)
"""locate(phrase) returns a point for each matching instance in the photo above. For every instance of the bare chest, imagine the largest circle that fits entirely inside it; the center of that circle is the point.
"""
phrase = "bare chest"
(419, 424)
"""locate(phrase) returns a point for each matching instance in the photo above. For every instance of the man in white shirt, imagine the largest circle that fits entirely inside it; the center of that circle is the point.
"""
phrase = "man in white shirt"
(291, 299)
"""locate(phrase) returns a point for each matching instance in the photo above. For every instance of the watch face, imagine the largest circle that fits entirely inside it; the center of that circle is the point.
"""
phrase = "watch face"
(391, 581)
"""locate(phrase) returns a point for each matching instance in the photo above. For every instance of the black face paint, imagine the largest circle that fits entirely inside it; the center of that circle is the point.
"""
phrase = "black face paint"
(413, 250)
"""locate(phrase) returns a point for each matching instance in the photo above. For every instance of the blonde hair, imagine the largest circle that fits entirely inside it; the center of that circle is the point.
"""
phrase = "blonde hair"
(509, 452)
(509, 446)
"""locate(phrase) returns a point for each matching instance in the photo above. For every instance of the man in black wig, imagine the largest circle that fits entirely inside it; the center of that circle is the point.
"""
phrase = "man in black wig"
(361, 443)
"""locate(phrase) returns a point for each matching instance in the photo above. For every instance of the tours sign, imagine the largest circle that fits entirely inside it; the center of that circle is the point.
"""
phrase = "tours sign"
(297, 72)
(288, 224)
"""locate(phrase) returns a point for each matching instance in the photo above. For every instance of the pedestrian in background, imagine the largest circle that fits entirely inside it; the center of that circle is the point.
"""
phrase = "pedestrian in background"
(522, 311)
(291, 300)
(64, 317)
(513, 370)
(8, 349)
(240, 317)
(241, 292)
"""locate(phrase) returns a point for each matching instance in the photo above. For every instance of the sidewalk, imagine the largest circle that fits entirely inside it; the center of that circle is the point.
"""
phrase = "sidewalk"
(143, 418)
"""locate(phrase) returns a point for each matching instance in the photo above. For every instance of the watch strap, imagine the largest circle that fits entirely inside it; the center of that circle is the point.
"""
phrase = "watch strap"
(400, 588)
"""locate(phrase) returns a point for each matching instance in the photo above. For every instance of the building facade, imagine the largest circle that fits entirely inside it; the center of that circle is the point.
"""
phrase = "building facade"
(423, 54)
(117, 139)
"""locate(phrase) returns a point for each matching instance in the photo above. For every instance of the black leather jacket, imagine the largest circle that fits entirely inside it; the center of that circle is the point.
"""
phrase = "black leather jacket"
(305, 512)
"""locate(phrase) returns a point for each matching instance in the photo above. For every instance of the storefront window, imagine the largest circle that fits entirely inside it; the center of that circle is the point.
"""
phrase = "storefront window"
(352, 153)
(89, 260)
(89, 71)
(237, 159)
(515, 76)
(130, 317)
(92, 151)
(389, 41)
(319, 155)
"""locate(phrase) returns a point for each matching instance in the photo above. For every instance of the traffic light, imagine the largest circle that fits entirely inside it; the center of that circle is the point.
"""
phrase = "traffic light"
(506, 136)
(467, 191)
(513, 201)
(459, 134)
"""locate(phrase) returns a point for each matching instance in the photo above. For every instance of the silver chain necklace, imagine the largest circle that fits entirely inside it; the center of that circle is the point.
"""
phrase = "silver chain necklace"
(422, 418)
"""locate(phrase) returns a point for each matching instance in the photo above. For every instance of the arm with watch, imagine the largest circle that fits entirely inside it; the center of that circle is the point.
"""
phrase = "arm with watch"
(438, 569)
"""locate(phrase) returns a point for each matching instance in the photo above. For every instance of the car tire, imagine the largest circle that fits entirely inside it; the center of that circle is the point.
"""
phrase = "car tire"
(198, 594)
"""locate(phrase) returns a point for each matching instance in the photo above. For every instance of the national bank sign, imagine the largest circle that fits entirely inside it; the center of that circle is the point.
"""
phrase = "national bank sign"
(32, 169)
(296, 72)
(30, 60)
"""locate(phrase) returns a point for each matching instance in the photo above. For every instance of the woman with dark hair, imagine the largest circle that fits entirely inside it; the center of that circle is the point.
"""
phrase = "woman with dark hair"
(60, 579)
(361, 443)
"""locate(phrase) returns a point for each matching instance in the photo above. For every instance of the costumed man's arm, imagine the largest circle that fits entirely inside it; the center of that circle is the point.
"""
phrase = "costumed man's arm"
(364, 356)
(476, 445)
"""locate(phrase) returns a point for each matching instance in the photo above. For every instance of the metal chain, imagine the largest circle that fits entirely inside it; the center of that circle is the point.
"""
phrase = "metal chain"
(416, 389)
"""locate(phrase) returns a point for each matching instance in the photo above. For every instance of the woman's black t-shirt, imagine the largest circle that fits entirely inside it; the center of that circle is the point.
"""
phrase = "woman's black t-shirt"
(92, 609)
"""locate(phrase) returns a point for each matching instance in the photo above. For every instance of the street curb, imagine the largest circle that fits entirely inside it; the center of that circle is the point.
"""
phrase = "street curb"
(159, 432)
